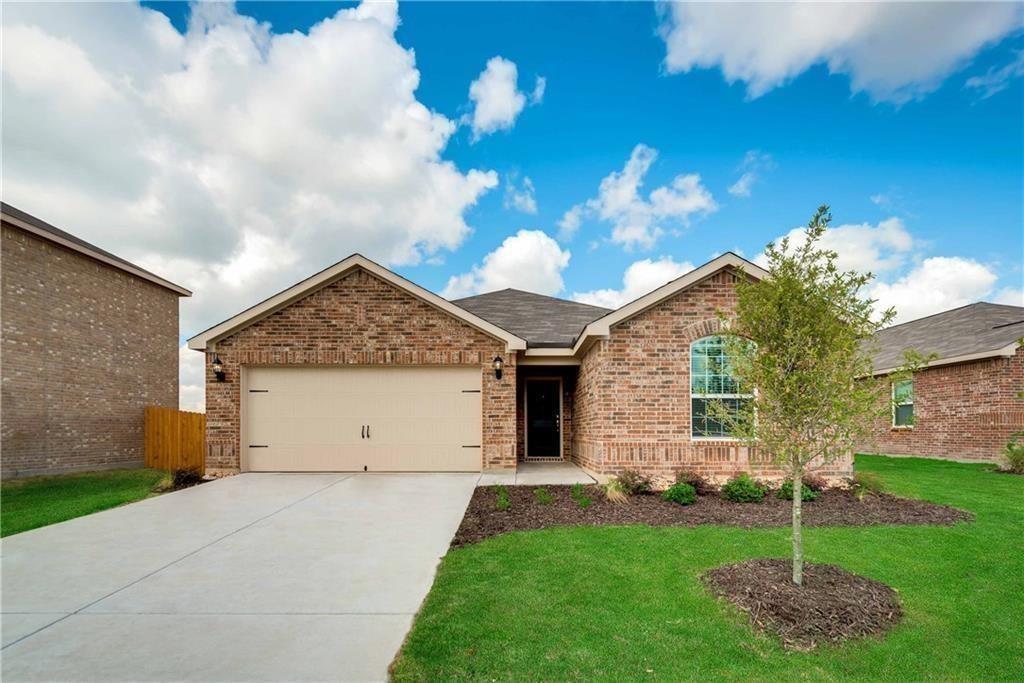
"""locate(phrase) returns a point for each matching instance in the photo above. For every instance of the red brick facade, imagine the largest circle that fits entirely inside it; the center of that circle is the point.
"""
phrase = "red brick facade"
(360, 319)
(965, 411)
(632, 402)
(85, 348)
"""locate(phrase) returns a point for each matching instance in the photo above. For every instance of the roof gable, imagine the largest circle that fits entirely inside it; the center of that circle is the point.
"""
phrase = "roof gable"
(339, 270)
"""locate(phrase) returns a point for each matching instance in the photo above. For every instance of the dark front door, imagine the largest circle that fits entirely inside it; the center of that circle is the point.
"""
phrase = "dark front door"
(543, 418)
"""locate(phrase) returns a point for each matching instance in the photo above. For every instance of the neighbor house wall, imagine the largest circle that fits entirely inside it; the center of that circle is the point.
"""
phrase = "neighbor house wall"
(632, 402)
(85, 348)
(359, 320)
(965, 411)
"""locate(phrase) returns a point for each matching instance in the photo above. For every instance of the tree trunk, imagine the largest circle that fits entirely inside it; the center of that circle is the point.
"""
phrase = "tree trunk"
(798, 538)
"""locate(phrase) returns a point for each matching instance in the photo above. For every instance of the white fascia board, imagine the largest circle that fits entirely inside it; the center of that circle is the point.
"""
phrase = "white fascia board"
(1004, 352)
(602, 326)
(247, 317)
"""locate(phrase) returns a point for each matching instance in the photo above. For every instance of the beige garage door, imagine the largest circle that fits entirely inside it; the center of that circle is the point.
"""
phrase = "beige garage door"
(354, 419)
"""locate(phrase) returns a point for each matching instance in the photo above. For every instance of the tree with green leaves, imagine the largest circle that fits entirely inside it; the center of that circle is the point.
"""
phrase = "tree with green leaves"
(800, 341)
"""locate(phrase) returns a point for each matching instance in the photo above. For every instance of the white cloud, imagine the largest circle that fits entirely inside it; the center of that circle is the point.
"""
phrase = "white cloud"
(892, 51)
(637, 222)
(936, 284)
(229, 158)
(497, 100)
(640, 278)
(755, 163)
(862, 247)
(522, 196)
(528, 260)
(1009, 295)
(191, 380)
(570, 223)
(997, 79)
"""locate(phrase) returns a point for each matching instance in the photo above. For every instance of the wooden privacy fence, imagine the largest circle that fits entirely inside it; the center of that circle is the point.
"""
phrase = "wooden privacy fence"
(175, 439)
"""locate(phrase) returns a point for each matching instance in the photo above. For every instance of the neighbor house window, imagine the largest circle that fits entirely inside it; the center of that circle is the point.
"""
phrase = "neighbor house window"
(903, 403)
(711, 380)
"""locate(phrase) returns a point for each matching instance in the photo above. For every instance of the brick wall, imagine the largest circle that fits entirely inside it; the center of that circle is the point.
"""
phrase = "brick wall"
(360, 319)
(632, 402)
(962, 412)
(85, 348)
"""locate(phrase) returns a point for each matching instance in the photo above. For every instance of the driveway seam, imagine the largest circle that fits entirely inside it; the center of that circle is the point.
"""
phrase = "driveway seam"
(175, 561)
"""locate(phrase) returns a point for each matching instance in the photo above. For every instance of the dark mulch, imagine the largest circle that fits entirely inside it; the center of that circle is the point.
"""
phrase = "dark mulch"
(832, 508)
(831, 606)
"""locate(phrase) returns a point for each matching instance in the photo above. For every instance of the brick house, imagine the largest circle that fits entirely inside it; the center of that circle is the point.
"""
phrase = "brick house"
(88, 340)
(966, 402)
(356, 368)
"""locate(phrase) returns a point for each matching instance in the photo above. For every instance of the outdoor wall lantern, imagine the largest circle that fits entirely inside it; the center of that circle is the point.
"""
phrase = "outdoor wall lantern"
(218, 369)
(498, 364)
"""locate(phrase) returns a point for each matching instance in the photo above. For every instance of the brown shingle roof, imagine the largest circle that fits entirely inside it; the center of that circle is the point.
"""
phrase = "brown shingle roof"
(543, 321)
(972, 330)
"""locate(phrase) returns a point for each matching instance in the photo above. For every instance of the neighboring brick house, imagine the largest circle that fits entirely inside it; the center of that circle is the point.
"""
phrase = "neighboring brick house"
(356, 368)
(967, 401)
(89, 339)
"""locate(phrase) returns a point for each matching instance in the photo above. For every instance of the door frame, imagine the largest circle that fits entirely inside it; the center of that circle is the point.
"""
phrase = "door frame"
(526, 416)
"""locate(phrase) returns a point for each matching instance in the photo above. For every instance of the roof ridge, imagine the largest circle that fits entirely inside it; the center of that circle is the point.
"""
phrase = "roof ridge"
(932, 315)
(543, 296)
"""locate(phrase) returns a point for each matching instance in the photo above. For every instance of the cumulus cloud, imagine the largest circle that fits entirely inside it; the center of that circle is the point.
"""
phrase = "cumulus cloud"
(640, 278)
(228, 158)
(892, 51)
(997, 78)
(637, 221)
(1009, 295)
(497, 100)
(520, 196)
(191, 380)
(528, 260)
(861, 246)
(570, 223)
(936, 284)
(755, 163)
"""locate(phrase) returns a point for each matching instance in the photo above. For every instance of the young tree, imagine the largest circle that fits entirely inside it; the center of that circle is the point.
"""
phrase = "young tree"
(799, 340)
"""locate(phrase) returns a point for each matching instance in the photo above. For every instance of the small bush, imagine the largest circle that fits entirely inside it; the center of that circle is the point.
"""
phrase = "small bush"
(866, 484)
(785, 491)
(1014, 453)
(615, 492)
(634, 483)
(742, 489)
(182, 479)
(543, 496)
(502, 502)
(702, 485)
(579, 494)
(681, 493)
(815, 482)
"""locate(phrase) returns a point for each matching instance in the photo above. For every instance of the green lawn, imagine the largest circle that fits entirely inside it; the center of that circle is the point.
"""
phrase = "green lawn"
(30, 503)
(625, 603)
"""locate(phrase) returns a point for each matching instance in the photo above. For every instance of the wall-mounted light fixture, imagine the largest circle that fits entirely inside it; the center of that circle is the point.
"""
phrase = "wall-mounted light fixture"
(497, 364)
(218, 369)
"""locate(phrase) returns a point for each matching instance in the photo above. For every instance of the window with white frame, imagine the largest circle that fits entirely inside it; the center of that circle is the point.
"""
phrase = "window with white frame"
(710, 381)
(903, 403)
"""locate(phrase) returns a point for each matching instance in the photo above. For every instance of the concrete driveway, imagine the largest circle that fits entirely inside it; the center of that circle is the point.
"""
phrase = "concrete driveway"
(251, 578)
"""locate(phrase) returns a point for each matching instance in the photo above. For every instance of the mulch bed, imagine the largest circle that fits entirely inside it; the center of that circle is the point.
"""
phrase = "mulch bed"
(831, 606)
(834, 507)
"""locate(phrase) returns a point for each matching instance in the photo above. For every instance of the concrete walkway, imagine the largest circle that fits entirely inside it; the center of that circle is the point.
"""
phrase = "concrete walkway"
(539, 474)
(258, 577)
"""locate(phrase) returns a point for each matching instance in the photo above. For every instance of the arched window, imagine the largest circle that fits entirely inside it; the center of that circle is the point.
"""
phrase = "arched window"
(711, 380)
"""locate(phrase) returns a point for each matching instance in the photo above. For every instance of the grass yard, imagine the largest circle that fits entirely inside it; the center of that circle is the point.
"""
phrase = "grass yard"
(625, 603)
(30, 503)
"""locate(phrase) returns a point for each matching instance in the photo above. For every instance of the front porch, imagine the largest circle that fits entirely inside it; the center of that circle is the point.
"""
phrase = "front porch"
(538, 474)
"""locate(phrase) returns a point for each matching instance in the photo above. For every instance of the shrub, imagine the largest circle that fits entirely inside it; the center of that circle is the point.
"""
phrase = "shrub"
(701, 485)
(866, 484)
(615, 492)
(182, 479)
(1014, 453)
(742, 489)
(785, 491)
(681, 493)
(634, 483)
(502, 502)
(815, 482)
(543, 496)
(579, 494)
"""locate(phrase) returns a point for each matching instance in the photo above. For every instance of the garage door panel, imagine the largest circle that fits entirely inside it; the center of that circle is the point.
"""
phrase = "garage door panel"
(312, 419)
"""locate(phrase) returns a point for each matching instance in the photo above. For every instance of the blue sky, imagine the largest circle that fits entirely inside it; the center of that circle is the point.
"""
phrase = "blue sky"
(241, 153)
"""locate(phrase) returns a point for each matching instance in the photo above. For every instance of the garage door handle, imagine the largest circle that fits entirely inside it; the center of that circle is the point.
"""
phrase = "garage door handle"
(367, 431)
(362, 432)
